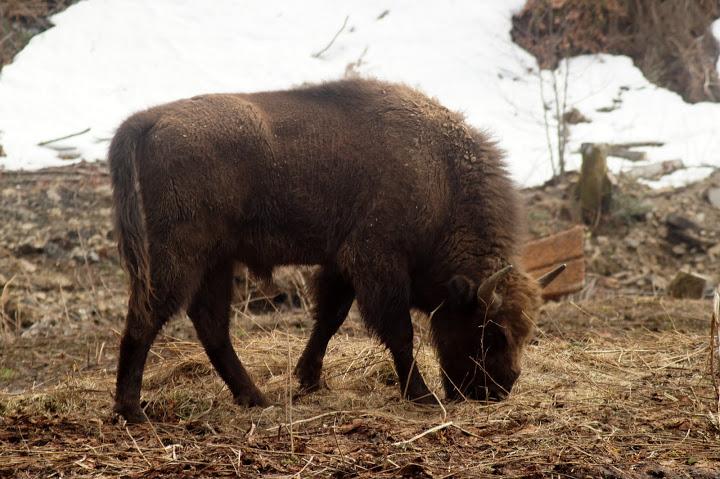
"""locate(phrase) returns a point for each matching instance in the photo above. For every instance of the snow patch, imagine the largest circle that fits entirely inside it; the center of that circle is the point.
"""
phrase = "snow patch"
(106, 59)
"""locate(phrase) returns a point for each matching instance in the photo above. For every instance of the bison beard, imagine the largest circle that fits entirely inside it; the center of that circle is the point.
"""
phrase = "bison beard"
(400, 203)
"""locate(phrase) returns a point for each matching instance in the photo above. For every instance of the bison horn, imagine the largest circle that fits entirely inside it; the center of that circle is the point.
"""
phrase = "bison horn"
(486, 291)
(548, 278)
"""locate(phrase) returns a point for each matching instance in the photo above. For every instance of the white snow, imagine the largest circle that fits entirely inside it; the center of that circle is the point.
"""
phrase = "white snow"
(105, 59)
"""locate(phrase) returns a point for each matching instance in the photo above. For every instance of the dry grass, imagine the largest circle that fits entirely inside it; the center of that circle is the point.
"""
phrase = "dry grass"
(615, 399)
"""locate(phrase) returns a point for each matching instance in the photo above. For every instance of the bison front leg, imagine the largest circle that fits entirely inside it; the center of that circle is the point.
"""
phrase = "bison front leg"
(210, 314)
(383, 298)
(333, 298)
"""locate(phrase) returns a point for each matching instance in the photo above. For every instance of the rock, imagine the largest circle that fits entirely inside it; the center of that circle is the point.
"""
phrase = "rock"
(679, 250)
(574, 116)
(713, 196)
(686, 286)
(52, 281)
(53, 249)
(658, 282)
(632, 243)
(53, 195)
(655, 171)
(27, 266)
(28, 249)
(682, 230)
(714, 251)
(69, 155)
(680, 222)
(81, 255)
(44, 327)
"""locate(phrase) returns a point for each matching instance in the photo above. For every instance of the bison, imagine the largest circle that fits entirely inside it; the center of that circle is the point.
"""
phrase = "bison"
(399, 202)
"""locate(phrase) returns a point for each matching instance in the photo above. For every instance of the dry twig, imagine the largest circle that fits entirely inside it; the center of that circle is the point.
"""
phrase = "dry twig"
(319, 54)
(71, 135)
(437, 428)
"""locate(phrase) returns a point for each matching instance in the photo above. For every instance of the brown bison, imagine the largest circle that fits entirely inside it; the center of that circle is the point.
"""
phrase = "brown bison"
(400, 203)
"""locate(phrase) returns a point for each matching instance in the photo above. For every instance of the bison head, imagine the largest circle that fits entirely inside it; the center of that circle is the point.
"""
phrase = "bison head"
(482, 330)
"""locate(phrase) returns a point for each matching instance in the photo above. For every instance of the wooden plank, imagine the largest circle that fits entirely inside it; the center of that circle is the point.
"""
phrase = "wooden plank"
(570, 281)
(541, 256)
(555, 249)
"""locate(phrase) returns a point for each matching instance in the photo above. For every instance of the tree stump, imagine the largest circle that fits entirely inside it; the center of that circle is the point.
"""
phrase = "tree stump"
(593, 191)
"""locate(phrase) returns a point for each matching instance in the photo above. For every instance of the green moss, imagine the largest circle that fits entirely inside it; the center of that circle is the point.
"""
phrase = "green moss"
(6, 374)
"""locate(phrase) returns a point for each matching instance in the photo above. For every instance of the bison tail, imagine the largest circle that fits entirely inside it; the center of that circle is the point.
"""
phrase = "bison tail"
(129, 218)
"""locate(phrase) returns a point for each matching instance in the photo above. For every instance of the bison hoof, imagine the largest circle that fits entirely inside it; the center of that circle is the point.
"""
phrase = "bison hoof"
(252, 400)
(427, 399)
(308, 371)
(132, 414)
(310, 386)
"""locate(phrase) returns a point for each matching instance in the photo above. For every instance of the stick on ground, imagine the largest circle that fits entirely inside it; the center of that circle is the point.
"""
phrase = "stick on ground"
(47, 142)
(437, 428)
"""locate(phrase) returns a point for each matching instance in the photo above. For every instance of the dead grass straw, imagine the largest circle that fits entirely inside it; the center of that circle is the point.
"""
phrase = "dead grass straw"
(612, 399)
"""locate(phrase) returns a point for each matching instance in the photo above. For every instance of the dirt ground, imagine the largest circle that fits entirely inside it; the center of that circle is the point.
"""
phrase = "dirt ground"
(616, 383)
(647, 236)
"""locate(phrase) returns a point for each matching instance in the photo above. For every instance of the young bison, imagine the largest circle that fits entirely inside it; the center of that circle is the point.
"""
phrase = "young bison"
(400, 203)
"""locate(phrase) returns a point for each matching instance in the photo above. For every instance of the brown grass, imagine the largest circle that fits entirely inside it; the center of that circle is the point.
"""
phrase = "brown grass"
(601, 394)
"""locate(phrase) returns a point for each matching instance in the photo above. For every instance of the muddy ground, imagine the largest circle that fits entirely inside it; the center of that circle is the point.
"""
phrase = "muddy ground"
(616, 383)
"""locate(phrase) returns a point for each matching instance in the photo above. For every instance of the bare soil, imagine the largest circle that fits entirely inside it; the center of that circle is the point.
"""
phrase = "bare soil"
(644, 240)
(616, 383)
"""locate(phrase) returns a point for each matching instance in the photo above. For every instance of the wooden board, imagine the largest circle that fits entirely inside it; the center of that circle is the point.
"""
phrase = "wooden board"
(540, 256)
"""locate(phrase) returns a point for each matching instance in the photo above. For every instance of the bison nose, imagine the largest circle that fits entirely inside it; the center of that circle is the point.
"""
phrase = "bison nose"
(499, 390)
(490, 394)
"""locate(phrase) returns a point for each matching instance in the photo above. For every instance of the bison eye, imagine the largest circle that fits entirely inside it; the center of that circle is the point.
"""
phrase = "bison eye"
(461, 292)
(494, 337)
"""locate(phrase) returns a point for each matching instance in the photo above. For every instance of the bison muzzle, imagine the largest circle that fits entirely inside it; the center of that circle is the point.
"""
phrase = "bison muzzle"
(399, 202)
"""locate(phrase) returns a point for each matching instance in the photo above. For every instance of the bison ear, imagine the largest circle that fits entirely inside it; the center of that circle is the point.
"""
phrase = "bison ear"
(461, 292)
(486, 294)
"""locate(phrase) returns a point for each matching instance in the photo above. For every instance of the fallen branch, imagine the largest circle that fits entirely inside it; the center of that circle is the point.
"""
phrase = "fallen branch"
(437, 428)
(465, 431)
(318, 54)
(60, 148)
(47, 142)
(655, 171)
(623, 152)
(289, 425)
(638, 144)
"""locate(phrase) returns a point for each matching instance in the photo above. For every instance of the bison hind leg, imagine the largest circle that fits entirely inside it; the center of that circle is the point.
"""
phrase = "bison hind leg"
(333, 298)
(140, 332)
(210, 314)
